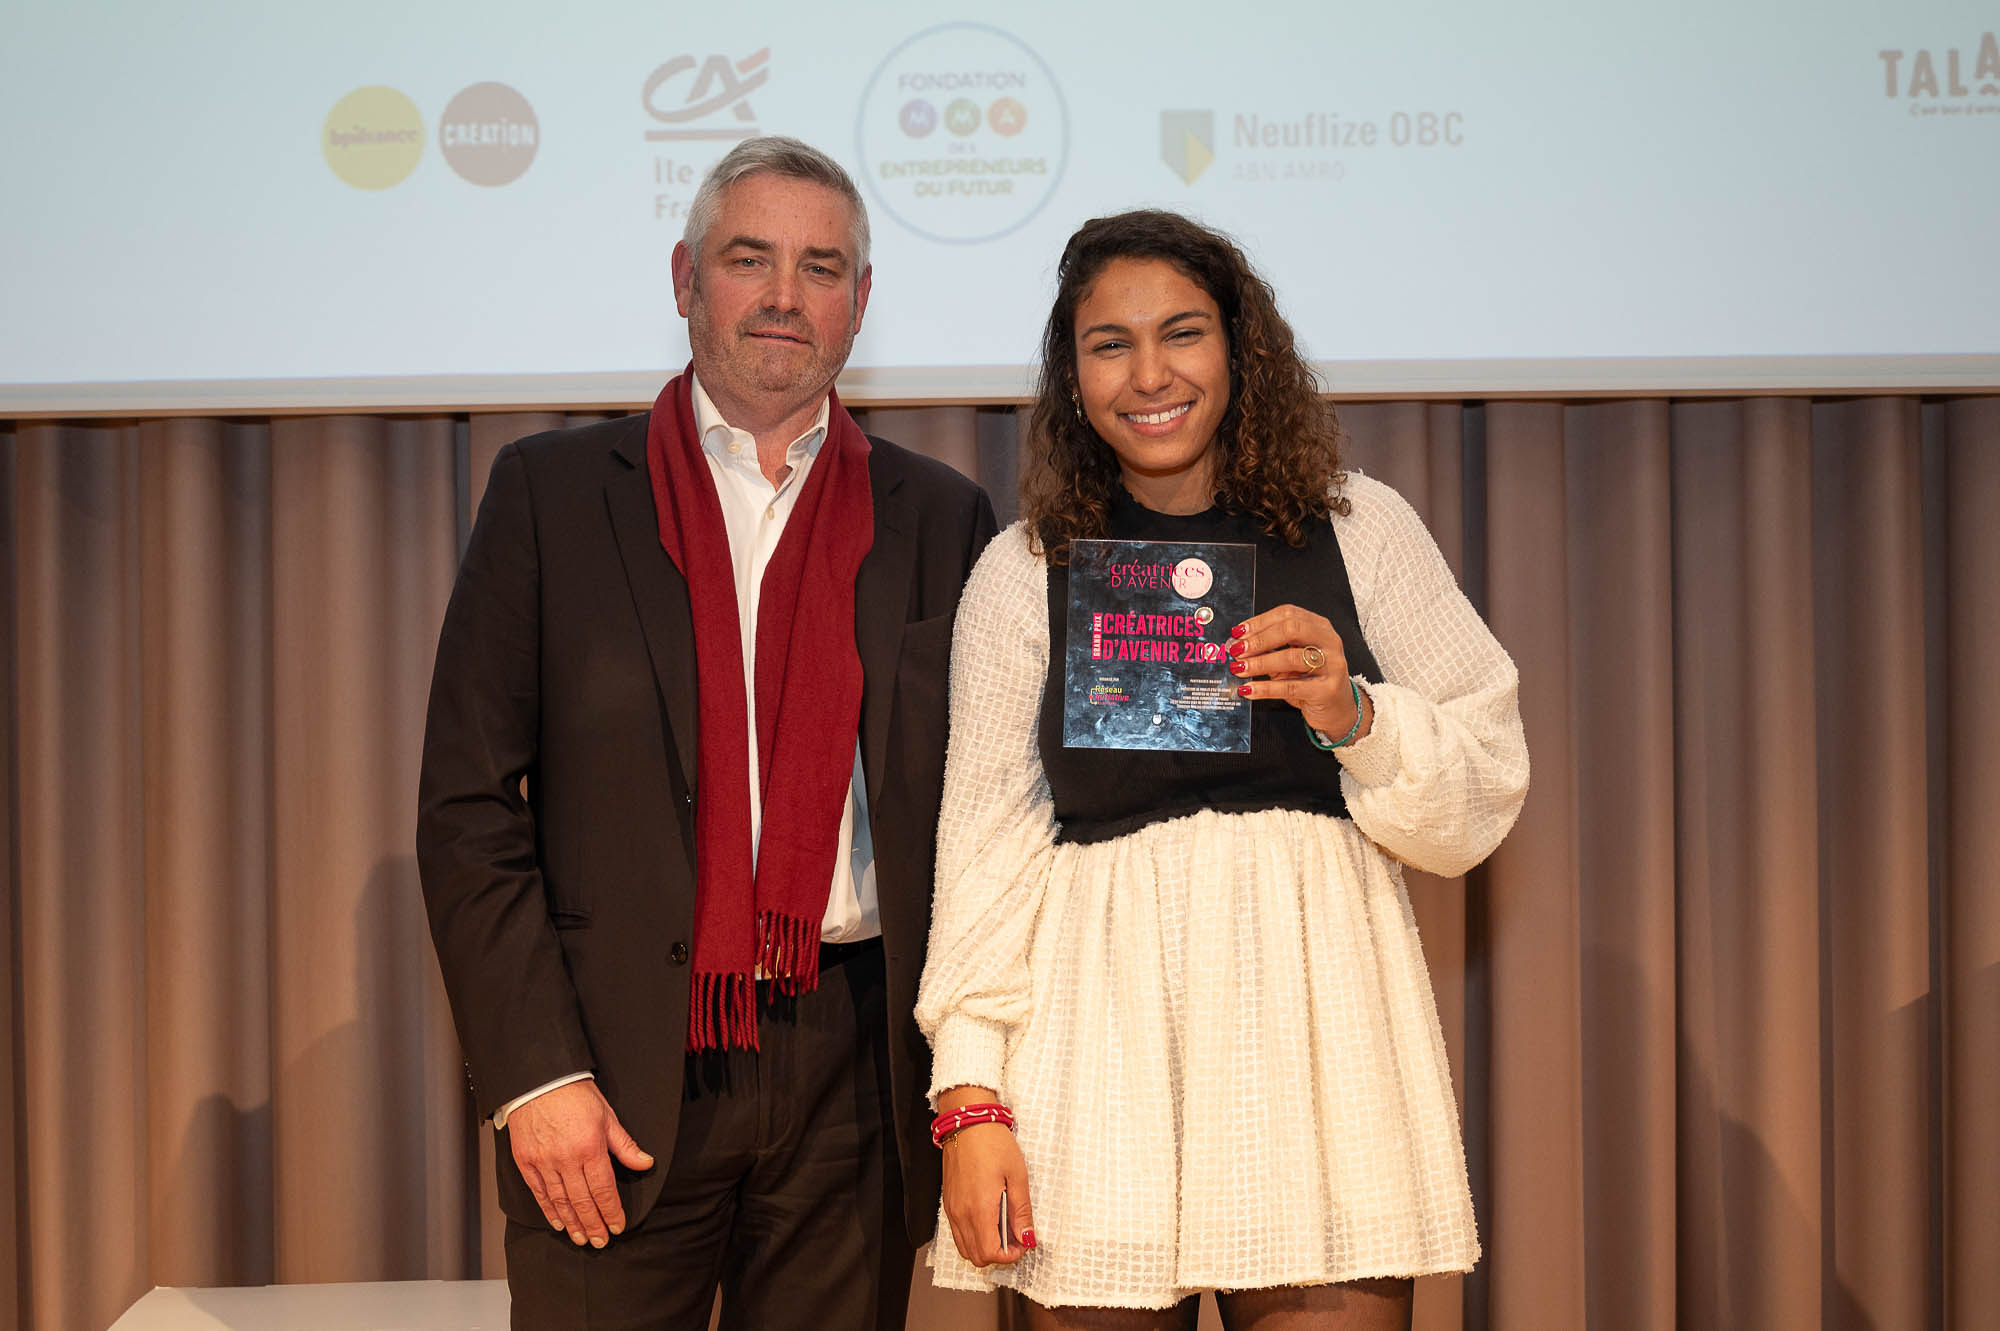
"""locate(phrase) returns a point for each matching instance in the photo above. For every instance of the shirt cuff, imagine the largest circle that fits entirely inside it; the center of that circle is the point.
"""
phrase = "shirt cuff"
(1375, 758)
(968, 1051)
(500, 1117)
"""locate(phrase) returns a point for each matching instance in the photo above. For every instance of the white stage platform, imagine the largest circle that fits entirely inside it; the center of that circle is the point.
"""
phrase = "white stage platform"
(387, 1305)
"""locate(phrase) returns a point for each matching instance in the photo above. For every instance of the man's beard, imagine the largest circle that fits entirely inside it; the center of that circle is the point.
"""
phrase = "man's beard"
(781, 367)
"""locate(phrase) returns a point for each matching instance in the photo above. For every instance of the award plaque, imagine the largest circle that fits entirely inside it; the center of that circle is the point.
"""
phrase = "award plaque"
(1146, 659)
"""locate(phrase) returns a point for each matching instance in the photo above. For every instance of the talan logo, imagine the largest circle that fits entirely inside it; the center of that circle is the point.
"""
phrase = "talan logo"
(1953, 74)
(717, 93)
(1187, 142)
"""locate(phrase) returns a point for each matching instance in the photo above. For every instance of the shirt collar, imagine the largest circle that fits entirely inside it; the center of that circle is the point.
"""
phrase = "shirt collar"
(717, 433)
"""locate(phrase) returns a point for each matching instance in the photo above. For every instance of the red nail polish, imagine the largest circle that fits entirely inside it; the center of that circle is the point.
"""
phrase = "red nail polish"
(1237, 632)
(1244, 691)
(1237, 667)
(1027, 1238)
(1238, 647)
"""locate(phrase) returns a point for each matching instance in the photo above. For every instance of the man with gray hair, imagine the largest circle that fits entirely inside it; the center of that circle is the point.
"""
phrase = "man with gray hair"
(679, 802)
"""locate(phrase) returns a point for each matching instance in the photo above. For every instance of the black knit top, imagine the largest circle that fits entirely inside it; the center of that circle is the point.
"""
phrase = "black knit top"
(1104, 793)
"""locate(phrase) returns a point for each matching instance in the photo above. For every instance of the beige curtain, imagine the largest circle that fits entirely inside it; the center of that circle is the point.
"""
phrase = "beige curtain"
(1723, 1012)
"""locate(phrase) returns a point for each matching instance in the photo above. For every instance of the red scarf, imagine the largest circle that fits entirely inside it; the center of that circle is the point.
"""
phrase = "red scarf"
(808, 708)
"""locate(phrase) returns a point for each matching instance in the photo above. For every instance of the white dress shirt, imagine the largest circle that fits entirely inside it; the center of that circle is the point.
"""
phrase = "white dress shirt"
(754, 514)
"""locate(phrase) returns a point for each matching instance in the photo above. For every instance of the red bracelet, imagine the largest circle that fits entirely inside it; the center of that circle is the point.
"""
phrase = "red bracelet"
(945, 1125)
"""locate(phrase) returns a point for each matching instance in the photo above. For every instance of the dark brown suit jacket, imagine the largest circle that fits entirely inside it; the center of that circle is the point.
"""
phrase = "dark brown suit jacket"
(555, 830)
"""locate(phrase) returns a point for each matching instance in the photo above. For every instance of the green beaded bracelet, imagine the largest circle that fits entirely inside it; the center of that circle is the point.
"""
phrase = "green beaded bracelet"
(1321, 741)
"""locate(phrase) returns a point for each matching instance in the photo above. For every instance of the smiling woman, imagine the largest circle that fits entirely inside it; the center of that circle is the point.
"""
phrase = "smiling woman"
(1192, 980)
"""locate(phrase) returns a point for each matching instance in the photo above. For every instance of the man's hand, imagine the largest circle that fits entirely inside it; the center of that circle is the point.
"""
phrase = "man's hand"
(563, 1141)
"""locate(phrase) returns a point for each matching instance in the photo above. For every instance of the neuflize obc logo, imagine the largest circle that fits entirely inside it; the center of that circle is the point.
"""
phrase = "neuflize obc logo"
(374, 136)
(1187, 143)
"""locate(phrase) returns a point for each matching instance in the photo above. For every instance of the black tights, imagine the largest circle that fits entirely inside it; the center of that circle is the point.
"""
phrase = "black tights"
(1357, 1305)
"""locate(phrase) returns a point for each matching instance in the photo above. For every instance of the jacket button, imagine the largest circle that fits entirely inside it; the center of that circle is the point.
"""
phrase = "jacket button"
(679, 952)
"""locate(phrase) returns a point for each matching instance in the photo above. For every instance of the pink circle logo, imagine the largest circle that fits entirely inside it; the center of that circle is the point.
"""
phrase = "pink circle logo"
(489, 134)
(1193, 578)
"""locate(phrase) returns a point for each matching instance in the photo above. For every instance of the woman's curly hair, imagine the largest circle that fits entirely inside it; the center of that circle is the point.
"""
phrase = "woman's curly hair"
(1280, 439)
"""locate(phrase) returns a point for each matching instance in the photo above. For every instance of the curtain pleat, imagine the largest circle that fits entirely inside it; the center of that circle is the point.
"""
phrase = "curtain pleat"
(369, 1094)
(1618, 493)
(85, 1249)
(1746, 865)
(1969, 848)
(205, 701)
(13, 1220)
(1874, 870)
(1535, 1218)
(1722, 1011)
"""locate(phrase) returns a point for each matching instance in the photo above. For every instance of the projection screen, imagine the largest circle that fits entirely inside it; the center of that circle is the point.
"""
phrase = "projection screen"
(236, 206)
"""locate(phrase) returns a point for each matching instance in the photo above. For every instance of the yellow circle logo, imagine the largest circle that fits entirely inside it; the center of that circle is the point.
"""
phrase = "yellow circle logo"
(373, 138)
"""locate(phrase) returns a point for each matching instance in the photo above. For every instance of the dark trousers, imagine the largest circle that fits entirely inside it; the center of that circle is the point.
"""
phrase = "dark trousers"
(783, 1189)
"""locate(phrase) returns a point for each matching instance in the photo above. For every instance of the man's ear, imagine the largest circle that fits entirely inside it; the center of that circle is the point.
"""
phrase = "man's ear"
(683, 277)
(861, 287)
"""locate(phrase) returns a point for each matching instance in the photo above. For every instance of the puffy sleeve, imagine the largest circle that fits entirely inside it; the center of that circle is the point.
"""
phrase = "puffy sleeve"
(1440, 777)
(996, 833)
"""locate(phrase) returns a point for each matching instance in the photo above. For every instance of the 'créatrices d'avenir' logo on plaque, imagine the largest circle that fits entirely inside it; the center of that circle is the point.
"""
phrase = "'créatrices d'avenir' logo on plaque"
(962, 133)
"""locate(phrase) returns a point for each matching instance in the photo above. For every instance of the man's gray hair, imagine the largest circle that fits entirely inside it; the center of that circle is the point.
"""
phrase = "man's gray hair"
(782, 156)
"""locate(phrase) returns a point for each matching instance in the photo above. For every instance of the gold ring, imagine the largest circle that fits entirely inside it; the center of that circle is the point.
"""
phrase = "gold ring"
(1315, 658)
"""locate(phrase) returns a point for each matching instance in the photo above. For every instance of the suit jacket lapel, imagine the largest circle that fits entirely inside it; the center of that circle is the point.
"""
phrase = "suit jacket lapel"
(881, 603)
(660, 595)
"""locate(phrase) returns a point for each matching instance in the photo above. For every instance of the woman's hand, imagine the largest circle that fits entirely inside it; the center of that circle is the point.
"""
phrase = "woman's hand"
(980, 1163)
(1295, 655)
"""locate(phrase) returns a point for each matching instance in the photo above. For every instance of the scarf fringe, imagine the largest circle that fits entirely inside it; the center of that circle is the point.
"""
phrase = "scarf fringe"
(722, 1009)
(788, 952)
(722, 1012)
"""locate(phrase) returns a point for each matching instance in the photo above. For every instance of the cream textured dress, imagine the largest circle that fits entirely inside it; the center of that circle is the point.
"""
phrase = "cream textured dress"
(1217, 1033)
